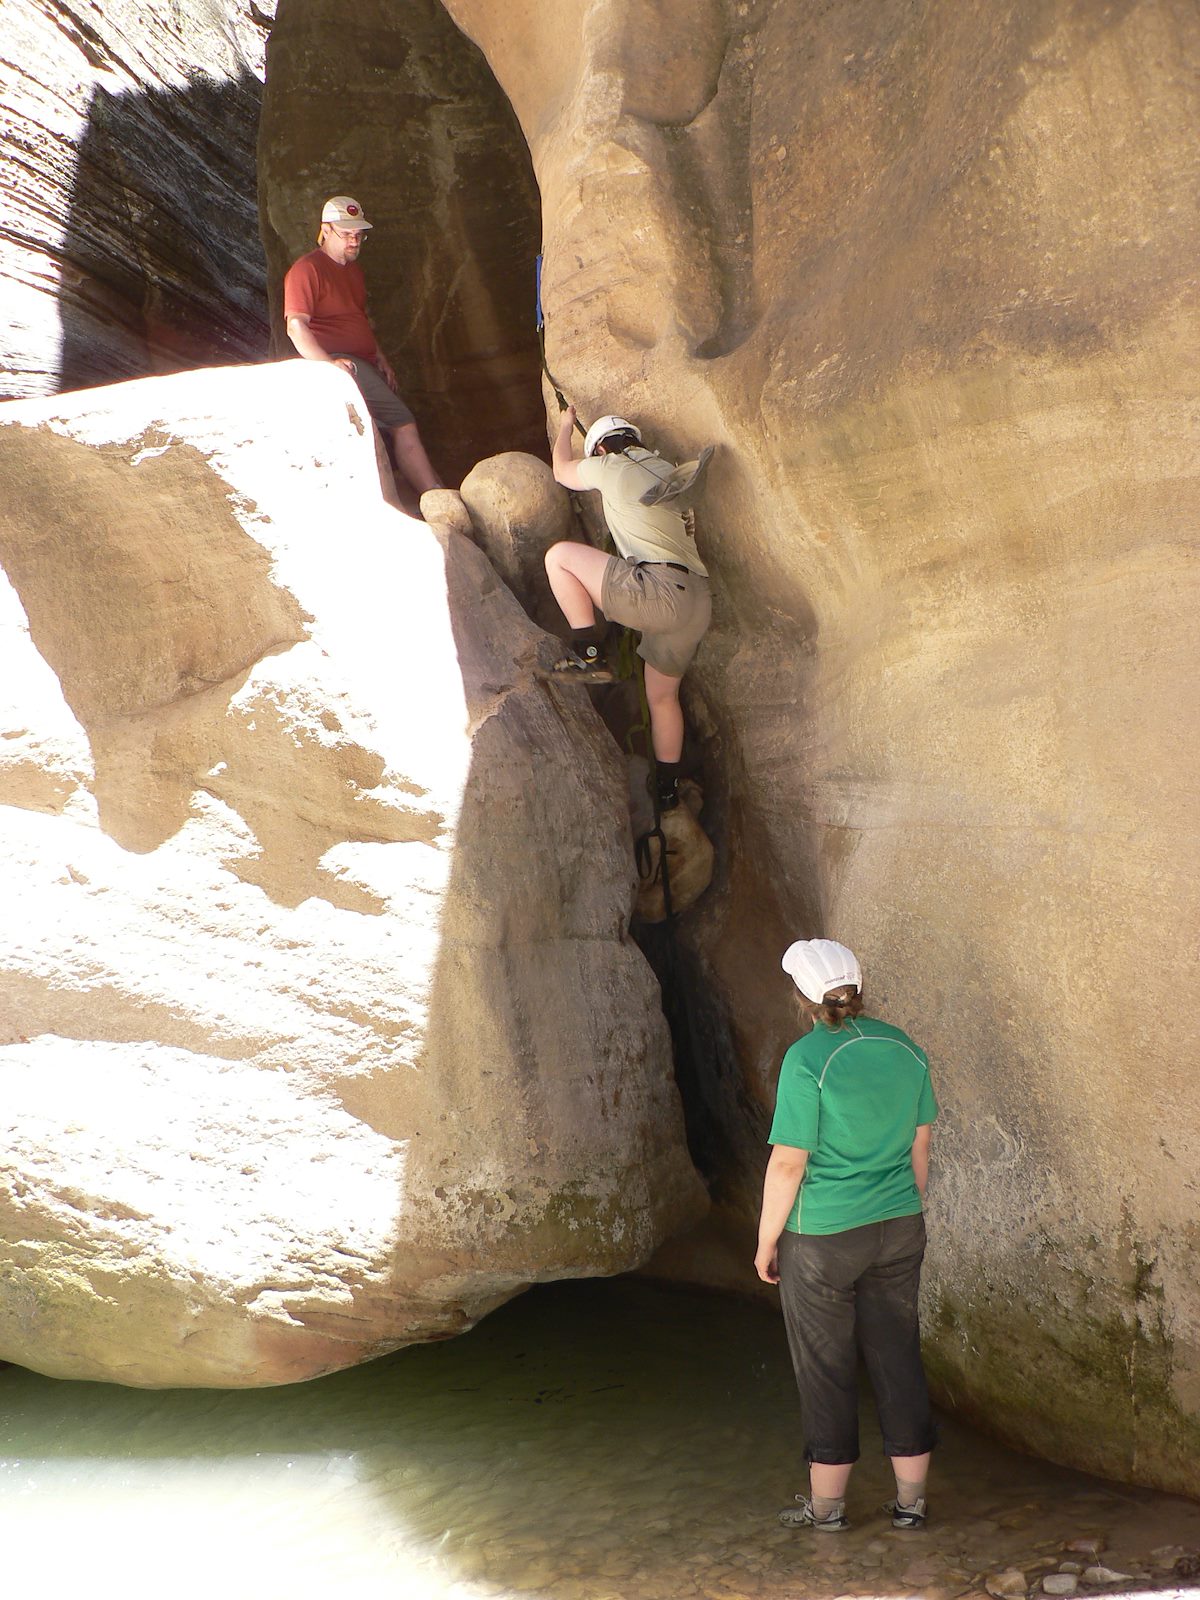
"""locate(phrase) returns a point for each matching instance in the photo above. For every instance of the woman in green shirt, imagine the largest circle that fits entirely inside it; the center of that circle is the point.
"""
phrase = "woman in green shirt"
(842, 1233)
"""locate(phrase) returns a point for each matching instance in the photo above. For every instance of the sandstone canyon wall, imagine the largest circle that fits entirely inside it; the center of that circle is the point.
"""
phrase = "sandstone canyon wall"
(130, 243)
(926, 273)
(321, 1030)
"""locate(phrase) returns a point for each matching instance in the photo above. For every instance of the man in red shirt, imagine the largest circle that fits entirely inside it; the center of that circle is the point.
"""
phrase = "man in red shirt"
(325, 310)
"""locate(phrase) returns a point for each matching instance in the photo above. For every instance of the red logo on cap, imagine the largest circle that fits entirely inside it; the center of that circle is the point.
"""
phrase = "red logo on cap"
(352, 209)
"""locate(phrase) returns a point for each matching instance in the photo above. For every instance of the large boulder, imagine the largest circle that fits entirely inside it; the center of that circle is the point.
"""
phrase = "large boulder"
(322, 1029)
(927, 275)
(518, 512)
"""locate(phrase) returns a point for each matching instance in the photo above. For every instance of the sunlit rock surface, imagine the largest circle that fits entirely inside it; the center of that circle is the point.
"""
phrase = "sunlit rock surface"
(928, 277)
(320, 1028)
(130, 242)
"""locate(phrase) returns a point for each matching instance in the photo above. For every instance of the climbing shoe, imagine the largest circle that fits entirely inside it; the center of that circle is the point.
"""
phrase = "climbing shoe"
(908, 1516)
(663, 784)
(801, 1516)
(583, 666)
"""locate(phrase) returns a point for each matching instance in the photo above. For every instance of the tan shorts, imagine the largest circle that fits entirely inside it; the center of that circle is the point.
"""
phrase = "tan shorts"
(670, 607)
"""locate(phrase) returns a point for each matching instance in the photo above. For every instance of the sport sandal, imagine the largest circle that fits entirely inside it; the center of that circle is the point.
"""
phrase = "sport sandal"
(801, 1516)
(573, 668)
(908, 1516)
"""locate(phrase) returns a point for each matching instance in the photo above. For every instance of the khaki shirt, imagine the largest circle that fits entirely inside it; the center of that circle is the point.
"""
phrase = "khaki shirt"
(642, 533)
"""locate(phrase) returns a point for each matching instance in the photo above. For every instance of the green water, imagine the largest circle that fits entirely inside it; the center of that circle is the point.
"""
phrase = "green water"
(591, 1441)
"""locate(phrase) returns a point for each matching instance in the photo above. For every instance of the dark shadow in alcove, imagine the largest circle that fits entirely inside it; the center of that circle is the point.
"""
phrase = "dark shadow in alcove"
(162, 268)
(726, 1130)
(391, 103)
(161, 260)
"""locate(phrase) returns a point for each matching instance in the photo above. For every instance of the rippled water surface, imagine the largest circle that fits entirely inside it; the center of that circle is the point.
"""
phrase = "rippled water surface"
(591, 1441)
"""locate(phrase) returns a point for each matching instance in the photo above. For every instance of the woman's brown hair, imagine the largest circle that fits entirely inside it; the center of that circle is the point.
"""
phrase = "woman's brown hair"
(837, 1005)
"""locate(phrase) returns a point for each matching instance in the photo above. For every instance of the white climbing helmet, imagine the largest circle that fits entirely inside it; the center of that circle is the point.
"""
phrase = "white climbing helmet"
(816, 966)
(605, 426)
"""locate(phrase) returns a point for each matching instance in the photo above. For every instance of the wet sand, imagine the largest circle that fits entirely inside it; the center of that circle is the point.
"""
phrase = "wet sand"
(591, 1441)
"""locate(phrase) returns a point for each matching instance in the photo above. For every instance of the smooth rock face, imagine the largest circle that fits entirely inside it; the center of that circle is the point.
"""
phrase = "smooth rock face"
(927, 276)
(322, 1030)
(130, 242)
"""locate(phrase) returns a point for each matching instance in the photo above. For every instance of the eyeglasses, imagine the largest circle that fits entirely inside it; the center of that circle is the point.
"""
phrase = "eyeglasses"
(349, 233)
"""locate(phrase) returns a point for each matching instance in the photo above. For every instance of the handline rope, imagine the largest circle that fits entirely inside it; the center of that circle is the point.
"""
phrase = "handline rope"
(541, 333)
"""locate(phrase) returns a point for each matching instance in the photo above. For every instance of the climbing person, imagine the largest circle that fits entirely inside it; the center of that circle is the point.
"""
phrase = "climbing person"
(657, 584)
(325, 311)
(842, 1233)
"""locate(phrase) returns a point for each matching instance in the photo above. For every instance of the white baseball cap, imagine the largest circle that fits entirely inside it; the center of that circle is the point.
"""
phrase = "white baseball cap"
(345, 212)
(816, 966)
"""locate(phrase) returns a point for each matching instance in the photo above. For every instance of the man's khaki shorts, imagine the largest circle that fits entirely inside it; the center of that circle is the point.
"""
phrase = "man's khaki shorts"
(671, 607)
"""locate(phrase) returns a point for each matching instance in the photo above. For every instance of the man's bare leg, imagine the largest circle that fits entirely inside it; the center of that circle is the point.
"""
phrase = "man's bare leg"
(412, 460)
(410, 500)
(576, 573)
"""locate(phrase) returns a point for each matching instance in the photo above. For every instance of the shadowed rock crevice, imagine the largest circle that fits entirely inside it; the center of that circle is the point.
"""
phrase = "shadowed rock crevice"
(516, 512)
(161, 262)
(129, 243)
